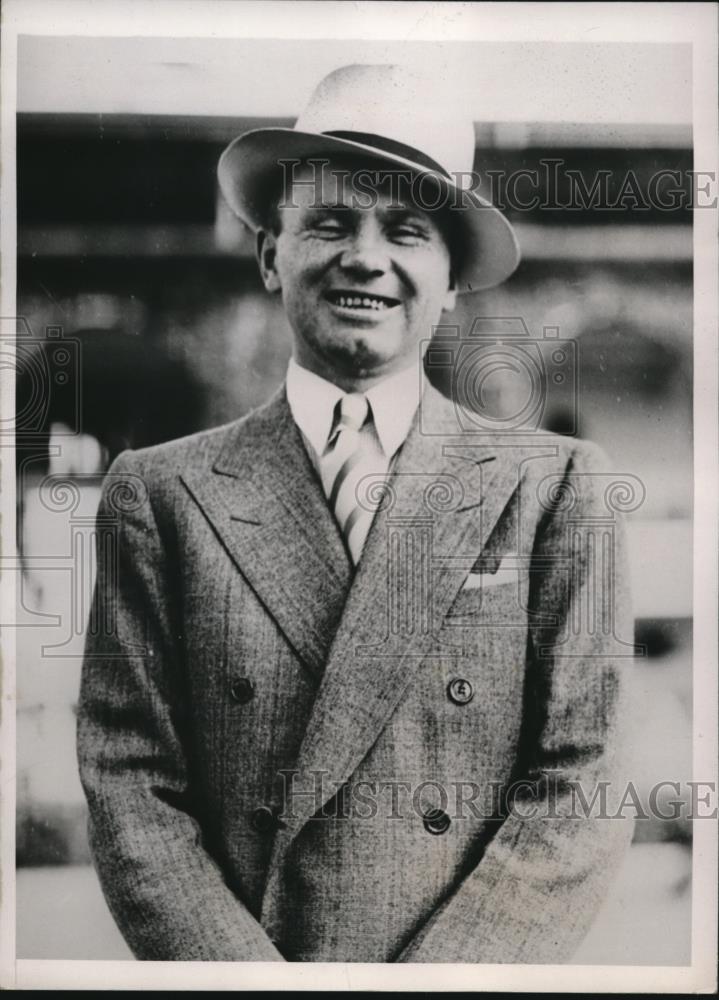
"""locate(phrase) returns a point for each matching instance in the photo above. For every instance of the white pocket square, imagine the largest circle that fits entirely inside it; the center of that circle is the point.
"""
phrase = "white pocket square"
(503, 574)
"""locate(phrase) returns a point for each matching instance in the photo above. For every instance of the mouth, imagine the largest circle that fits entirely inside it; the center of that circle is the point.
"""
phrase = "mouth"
(363, 303)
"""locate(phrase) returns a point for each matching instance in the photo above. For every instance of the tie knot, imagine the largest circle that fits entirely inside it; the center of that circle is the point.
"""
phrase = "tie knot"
(353, 411)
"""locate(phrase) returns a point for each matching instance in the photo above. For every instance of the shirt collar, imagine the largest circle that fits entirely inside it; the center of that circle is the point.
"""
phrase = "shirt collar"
(394, 402)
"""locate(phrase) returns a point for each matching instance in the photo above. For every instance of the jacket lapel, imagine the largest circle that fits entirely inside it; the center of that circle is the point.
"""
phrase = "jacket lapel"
(445, 495)
(263, 499)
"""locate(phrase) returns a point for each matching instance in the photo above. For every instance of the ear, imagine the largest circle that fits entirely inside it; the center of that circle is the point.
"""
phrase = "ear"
(266, 253)
(450, 296)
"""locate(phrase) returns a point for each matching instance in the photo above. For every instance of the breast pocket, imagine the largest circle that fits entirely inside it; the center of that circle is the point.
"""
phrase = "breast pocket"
(489, 601)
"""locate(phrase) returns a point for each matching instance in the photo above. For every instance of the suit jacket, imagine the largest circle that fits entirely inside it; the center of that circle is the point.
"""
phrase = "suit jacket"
(278, 758)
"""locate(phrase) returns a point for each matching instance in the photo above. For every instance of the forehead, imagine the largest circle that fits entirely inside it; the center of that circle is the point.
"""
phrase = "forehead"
(354, 184)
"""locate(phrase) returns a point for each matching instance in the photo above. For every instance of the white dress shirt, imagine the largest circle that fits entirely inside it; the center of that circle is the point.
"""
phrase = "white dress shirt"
(393, 403)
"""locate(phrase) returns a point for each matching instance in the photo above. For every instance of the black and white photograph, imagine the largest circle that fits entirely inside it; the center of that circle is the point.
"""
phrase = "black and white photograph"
(359, 496)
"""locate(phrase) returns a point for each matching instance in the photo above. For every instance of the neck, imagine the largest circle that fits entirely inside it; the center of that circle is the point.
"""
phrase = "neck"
(351, 379)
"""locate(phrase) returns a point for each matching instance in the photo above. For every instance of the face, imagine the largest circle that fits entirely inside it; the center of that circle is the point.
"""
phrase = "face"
(363, 280)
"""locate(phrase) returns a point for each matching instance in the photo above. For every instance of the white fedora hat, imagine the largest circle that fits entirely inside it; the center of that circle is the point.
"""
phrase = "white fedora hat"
(386, 114)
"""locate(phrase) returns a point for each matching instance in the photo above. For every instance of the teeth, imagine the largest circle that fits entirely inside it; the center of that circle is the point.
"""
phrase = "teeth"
(364, 302)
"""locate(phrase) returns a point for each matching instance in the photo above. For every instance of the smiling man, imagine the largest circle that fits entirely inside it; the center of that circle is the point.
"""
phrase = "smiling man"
(355, 674)
(362, 286)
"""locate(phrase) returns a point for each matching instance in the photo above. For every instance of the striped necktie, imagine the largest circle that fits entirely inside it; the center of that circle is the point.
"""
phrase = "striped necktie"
(353, 453)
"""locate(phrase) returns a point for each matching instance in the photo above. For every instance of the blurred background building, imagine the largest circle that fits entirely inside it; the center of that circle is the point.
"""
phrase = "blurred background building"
(142, 309)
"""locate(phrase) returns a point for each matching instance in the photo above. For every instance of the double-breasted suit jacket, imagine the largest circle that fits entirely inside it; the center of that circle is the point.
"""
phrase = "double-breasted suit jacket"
(286, 758)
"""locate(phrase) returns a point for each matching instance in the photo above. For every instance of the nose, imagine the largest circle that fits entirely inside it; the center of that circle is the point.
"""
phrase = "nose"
(365, 255)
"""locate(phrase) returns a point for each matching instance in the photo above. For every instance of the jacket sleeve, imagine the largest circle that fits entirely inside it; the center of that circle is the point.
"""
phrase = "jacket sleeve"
(539, 884)
(165, 892)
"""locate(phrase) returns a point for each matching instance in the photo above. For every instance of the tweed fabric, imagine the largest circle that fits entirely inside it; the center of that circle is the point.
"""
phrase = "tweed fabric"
(231, 566)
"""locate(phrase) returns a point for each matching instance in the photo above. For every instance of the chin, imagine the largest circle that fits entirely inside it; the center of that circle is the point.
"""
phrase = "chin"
(364, 357)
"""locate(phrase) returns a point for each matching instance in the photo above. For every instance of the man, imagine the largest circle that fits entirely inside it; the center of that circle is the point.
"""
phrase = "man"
(357, 657)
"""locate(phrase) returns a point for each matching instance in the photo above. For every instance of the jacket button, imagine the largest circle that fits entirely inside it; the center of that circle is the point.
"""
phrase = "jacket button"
(436, 821)
(242, 690)
(460, 691)
(263, 819)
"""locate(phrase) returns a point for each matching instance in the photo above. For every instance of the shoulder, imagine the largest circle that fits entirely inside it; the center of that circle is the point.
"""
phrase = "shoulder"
(576, 479)
(202, 449)
(191, 450)
(565, 456)
(535, 455)
(562, 475)
(547, 448)
(588, 456)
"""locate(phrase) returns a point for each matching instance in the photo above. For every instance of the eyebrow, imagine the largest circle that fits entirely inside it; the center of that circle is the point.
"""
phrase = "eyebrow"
(406, 212)
(335, 208)
(396, 213)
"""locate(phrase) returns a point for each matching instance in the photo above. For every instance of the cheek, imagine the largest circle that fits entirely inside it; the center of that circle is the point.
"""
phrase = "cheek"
(296, 288)
(430, 274)
(432, 293)
(299, 263)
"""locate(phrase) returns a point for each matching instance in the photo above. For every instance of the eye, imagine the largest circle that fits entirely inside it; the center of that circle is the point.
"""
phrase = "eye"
(328, 227)
(408, 234)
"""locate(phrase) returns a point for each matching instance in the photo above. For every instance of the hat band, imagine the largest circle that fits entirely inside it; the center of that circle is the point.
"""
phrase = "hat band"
(393, 147)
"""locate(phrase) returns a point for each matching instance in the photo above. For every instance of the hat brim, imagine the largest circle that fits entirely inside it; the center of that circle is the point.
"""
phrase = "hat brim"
(490, 252)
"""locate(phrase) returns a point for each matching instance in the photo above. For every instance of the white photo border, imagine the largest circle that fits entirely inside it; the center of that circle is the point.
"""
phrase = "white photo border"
(695, 23)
